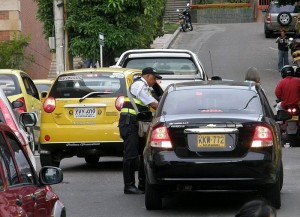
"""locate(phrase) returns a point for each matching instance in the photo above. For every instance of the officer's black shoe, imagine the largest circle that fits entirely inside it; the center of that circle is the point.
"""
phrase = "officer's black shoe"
(141, 186)
(131, 189)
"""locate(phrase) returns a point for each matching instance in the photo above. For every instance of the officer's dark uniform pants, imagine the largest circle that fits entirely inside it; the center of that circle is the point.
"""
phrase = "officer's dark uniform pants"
(128, 128)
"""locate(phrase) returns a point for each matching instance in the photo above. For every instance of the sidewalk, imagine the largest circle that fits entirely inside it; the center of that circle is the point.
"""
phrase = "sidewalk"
(165, 41)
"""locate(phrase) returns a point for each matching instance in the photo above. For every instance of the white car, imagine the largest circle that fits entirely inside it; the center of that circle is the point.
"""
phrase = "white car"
(12, 118)
(174, 65)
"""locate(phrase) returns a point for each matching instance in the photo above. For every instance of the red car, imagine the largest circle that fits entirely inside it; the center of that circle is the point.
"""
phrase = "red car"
(10, 117)
(22, 191)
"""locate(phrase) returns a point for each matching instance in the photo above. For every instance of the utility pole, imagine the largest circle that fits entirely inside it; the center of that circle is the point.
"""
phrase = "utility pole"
(59, 35)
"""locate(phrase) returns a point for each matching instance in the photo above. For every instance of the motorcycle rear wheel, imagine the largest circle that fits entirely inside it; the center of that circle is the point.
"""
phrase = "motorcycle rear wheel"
(191, 27)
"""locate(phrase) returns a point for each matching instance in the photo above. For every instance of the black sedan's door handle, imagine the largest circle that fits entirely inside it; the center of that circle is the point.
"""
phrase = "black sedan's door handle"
(19, 202)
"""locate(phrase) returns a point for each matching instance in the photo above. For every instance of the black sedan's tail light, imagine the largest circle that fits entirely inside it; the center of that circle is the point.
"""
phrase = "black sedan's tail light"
(263, 137)
(160, 138)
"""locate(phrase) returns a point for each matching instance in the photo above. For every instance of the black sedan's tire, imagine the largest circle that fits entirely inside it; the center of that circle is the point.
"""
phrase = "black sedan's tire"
(153, 198)
(273, 194)
(281, 175)
(48, 160)
(284, 18)
(92, 160)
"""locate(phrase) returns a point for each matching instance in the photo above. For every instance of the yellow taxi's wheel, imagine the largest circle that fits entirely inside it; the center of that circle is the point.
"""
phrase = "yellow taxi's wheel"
(48, 160)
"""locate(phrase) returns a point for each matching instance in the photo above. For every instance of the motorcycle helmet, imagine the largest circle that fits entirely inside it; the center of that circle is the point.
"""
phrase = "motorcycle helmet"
(287, 70)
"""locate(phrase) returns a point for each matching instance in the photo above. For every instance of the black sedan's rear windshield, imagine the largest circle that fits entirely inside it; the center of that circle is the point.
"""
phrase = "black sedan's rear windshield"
(212, 101)
(80, 84)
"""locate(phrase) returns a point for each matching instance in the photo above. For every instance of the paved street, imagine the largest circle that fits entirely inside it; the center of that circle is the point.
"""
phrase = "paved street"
(93, 191)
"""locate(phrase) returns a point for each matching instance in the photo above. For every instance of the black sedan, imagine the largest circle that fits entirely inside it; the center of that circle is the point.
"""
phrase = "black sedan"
(212, 135)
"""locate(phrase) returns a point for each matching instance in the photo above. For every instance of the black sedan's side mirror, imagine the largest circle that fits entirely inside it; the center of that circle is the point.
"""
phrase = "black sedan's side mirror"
(144, 116)
(283, 115)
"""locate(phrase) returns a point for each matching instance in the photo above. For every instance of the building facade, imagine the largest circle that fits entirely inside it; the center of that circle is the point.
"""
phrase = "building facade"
(18, 16)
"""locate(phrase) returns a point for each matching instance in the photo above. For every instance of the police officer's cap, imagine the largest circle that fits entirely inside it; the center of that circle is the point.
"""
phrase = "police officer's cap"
(151, 71)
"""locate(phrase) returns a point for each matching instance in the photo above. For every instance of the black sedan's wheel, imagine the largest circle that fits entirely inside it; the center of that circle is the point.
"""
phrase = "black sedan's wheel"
(153, 198)
(92, 160)
(281, 175)
(284, 18)
(273, 194)
(48, 160)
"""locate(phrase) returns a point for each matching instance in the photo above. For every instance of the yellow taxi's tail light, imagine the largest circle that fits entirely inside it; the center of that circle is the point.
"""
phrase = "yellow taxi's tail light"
(160, 138)
(119, 102)
(22, 108)
(49, 105)
(262, 137)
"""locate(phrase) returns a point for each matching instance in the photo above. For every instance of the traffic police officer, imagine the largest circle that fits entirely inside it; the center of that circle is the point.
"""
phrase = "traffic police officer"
(128, 127)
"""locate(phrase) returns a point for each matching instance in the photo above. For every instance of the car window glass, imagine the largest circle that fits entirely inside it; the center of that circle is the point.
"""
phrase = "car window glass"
(164, 66)
(79, 85)
(2, 119)
(9, 168)
(10, 84)
(266, 105)
(22, 162)
(43, 87)
(30, 87)
(212, 101)
(282, 8)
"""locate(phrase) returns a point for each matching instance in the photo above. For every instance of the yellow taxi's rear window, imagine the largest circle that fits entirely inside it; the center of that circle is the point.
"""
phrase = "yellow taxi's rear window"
(80, 84)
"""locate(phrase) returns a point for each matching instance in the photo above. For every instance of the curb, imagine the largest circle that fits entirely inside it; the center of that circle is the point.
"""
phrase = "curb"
(171, 39)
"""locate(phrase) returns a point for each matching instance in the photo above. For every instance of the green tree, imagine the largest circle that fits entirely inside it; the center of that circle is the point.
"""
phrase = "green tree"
(12, 53)
(126, 24)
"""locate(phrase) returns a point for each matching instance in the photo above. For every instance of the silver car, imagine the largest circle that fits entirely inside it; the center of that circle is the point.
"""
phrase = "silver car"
(280, 17)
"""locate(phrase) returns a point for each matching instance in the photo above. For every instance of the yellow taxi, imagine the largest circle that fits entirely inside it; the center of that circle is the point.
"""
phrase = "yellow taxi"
(18, 86)
(81, 112)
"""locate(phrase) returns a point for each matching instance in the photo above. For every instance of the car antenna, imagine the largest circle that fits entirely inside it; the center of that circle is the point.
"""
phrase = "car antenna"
(212, 70)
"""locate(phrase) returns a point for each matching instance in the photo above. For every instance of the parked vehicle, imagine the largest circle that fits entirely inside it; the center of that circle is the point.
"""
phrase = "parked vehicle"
(22, 191)
(13, 120)
(18, 86)
(278, 17)
(80, 115)
(185, 20)
(174, 65)
(43, 84)
(213, 135)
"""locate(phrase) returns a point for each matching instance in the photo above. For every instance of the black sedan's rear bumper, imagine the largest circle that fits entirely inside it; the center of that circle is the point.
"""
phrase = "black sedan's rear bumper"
(251, 172)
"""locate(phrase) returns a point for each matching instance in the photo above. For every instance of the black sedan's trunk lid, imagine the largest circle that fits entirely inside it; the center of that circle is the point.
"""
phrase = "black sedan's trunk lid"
(220, 136)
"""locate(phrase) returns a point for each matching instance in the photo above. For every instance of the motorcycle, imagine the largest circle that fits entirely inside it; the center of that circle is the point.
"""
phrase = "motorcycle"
(185, 19)
(291, 128)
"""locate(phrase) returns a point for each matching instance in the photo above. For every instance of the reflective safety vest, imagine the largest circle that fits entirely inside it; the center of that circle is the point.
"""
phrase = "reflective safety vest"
(128, 107)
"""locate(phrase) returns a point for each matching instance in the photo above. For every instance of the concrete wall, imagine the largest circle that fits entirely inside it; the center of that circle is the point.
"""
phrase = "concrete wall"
(38, 46)
(223, 15)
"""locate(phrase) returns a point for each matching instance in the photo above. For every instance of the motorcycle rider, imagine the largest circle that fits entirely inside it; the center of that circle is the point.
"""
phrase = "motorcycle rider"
(288, 89)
